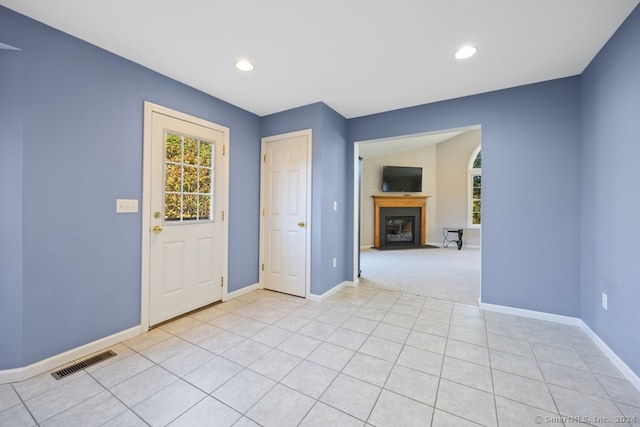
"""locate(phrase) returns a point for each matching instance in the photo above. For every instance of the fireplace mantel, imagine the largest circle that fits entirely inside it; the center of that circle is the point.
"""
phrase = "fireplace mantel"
(399, 201)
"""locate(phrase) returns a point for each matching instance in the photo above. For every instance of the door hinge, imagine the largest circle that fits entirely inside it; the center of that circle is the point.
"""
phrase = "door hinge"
(262, 267)
(264, 158)
(222, 281)
(224, 149)
(262, 212)
(223, 215)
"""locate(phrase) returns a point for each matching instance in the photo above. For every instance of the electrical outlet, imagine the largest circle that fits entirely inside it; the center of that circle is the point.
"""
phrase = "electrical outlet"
(334, 263)
(335, 205)
(126, 205)
(604, 301)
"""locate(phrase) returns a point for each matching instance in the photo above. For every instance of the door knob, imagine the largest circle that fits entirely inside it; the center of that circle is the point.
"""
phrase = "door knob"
(301, 224)
(156, 229)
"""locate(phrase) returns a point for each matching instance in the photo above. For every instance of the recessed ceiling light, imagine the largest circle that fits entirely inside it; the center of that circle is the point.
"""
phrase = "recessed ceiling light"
(466, 52)
(244, 65)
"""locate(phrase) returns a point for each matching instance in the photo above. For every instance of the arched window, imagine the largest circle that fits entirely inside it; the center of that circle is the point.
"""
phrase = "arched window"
(475, 189)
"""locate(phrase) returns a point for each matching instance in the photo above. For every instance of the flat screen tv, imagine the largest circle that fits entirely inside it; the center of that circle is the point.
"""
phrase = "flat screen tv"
(406, 179)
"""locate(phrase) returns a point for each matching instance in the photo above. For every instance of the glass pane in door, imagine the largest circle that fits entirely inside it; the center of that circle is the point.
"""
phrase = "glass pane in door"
(188, 179)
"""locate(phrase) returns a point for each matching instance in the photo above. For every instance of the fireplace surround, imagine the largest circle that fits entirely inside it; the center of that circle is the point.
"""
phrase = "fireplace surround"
(410, 208)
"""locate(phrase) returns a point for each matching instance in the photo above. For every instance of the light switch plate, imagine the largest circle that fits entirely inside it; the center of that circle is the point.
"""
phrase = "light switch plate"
(126, 205)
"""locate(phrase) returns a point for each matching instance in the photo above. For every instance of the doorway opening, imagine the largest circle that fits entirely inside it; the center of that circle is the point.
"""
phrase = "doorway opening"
(437, 272)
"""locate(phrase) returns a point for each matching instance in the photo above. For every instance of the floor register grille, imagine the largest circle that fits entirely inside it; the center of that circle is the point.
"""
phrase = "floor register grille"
(83, 364)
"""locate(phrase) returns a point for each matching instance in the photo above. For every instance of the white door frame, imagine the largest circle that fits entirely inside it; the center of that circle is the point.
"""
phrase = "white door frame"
(307, 258)
(223, 199)
(356, 213)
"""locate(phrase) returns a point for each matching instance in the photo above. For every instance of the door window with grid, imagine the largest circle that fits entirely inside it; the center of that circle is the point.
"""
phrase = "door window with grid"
(188, 179)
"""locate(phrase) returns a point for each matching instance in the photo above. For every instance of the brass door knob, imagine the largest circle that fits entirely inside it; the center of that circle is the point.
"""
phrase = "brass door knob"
(156, 229)
(301, 224)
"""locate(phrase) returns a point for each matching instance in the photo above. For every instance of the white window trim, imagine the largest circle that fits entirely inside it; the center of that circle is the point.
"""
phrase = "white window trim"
(471, 172)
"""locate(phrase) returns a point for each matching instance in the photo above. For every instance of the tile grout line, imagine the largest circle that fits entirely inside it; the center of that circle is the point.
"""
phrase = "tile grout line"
(493, 386)
(342, 373)
(329, 385)
(444, 353)
(24, 403)
(546, 383)
(302, 360)
(395, 363)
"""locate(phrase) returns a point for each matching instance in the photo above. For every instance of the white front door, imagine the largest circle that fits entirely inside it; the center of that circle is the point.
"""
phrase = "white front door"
(285, 207)
(187, 247)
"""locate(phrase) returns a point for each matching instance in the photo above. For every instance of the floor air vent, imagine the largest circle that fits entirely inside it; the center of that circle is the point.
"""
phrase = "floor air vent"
(82, 364)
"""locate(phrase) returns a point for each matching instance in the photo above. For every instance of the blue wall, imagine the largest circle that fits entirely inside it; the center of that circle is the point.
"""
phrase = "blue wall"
(11, 312)
(328, 180)
(530, 170)
(610, 133)
(334, 240)
(82, 113)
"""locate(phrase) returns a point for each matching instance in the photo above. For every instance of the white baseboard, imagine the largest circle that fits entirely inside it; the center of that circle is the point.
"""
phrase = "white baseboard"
(21, 374)
(439, 244)
(242, 291)
(320, 298)
(613, 357)
(567, 320)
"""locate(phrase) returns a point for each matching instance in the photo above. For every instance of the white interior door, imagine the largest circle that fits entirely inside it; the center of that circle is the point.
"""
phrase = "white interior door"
(187, 238)
(285, 207)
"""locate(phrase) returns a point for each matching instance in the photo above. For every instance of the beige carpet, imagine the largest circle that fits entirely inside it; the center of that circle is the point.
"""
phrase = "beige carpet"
(442, 273)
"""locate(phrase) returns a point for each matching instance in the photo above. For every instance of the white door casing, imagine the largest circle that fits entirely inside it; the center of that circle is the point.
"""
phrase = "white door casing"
(286, 208)
(184, 262)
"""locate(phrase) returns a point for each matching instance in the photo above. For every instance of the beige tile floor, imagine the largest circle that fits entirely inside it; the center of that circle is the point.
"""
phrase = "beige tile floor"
(363, 357)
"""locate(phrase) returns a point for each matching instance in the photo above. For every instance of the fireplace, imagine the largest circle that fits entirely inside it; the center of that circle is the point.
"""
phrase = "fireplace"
(399, 227)
(402, 210)
(399, 230)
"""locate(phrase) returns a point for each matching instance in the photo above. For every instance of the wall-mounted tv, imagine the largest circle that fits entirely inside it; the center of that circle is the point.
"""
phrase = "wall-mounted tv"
(406, 179)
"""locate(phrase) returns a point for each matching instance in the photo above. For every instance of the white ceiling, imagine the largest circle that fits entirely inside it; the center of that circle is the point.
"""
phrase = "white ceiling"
(383, 147)
(358, 56)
